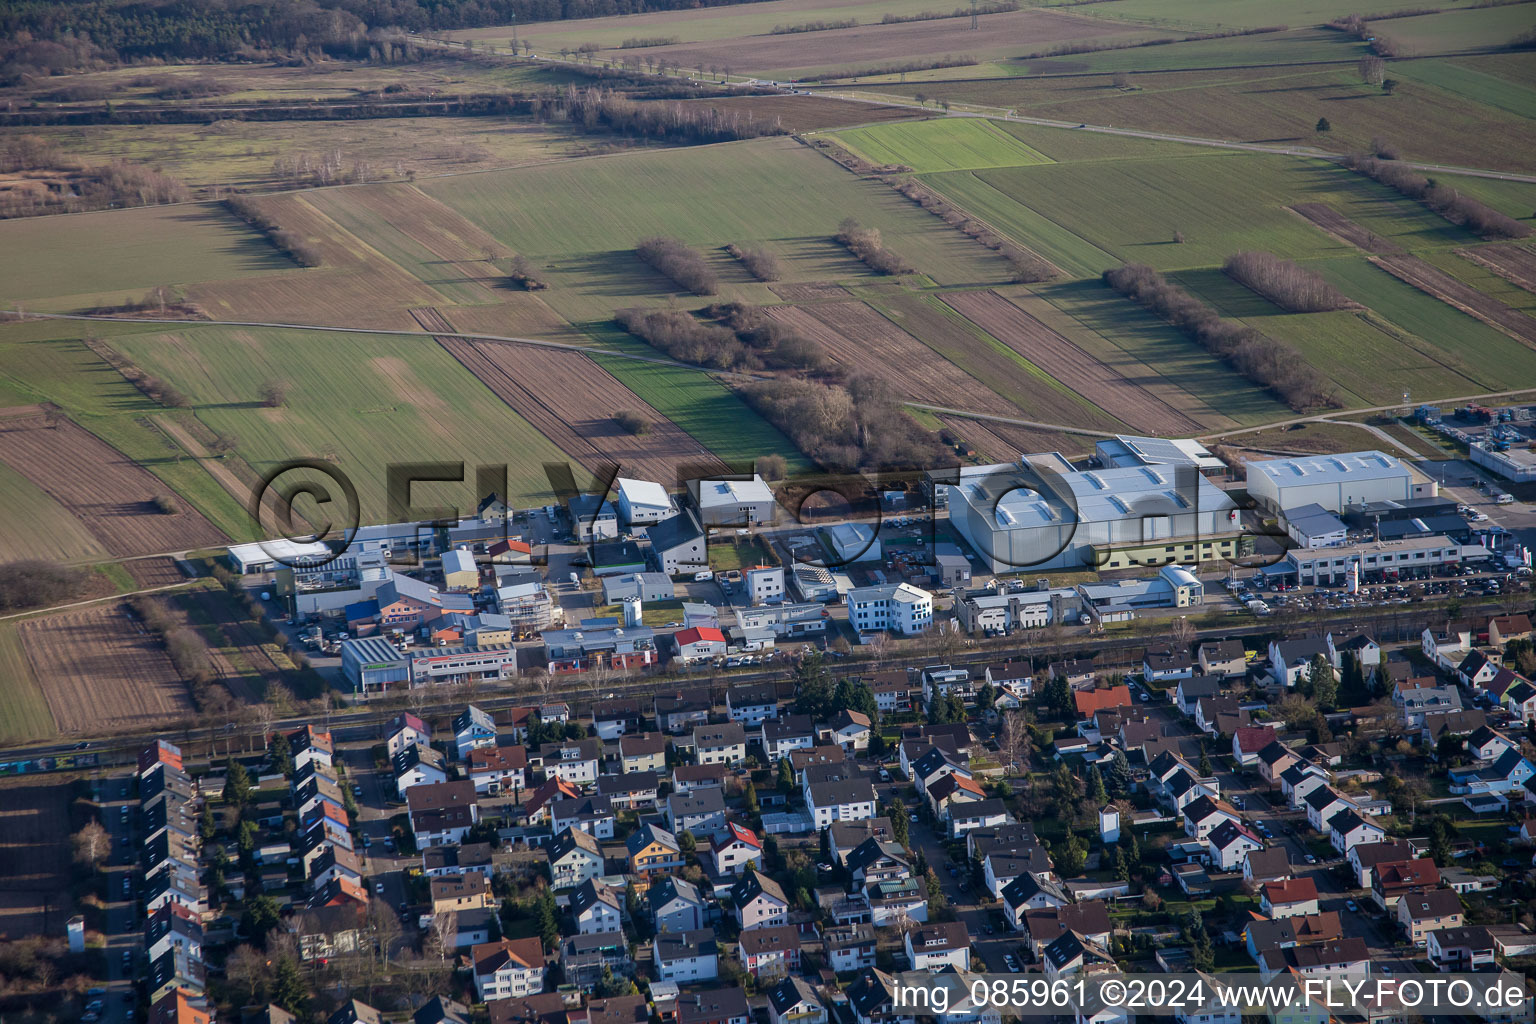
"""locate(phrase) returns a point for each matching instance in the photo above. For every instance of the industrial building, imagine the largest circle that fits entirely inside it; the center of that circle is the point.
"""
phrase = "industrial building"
(1334, 481)
(373, 664)
(1312, 526)
(744, 501)
(643, 501)
(593, 518)
(1043, 513)
(1514, 464)
(267, 555)
(1173, 587)
(1124, 450)
(1332, 565)
(851, 542)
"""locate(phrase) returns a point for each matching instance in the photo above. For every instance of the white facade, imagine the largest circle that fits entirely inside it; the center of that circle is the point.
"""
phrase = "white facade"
(643, 501)
(899, 607)
(1332, 481)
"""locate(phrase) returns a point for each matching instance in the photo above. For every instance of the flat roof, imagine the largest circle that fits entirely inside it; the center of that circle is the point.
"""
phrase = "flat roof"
(1313, 469)
(280, 549)
(715, 493)
(1162, 450)
(1101, 495)
(644, 492)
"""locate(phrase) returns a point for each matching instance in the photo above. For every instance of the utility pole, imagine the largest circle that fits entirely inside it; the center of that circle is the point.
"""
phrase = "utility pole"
(974, 23)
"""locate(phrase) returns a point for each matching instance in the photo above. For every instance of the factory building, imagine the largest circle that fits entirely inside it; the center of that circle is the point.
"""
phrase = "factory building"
(1333, 482)
(1042, 513)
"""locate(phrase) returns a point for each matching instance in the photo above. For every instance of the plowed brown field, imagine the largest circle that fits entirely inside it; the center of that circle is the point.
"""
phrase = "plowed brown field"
(102, 672)
(571, 400)
(866, 342)
(803, 113)
(154, 572)
(1344, 229)
(103, 488)
(1511, 262)
(1005, 442)
(1060, 358)
(1434, 281)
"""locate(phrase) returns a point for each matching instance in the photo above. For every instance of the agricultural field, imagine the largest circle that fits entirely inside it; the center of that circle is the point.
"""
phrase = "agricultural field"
(244, 662)
(944, 144)
(775, 192)
(1014, 372)
(1273, 105)
(24, 711)
(1513, 263)
(105, 491)
(34, 856)
(244, 154)
(360, 402)
(571, 400)
(1201, 14)
(86, 259)
(1077, 372)
(23, 505)
(101, 672)
(1432, 280)
(864, 342)
(1218, 204)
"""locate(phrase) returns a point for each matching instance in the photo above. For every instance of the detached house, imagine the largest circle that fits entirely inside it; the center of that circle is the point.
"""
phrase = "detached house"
(509, 969)
(653, 851)
(731, 852)
(1429, 910)
(769, 953)
(473, 728)
(574, 858)
(759, 901)
(688, 956)
(935, 946)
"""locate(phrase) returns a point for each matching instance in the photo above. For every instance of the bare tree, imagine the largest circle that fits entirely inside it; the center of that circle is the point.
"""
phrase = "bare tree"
(1014, 738)
(92, 845)
(1181, 630)
(441, 936)
(246, 968)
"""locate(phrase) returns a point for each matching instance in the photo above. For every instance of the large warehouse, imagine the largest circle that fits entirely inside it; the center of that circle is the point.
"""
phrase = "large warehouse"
(1332, 481)
(1042, 513)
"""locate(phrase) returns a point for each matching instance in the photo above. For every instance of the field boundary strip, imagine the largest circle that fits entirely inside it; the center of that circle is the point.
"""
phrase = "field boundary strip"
(1431, 280)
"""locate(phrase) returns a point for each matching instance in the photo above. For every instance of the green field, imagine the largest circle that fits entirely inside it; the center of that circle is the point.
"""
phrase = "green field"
(130, 251)
(1222, 203)
(22, 508)
(1493, 359)
(24, 714)
(1451, 31)
(588, 215)
(946, 144)
(1369, 361)
(1457, 77)
(714, 414)
(1295, 46)
(1119, 331)
(360, 402)
(1218, 14)
(1073, 254)
(45, 361)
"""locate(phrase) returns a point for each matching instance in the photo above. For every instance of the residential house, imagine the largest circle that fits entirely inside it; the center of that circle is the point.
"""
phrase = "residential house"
(653, 851)
(759, 902)
(752, 704)
(839, 800)
(508, 969)
(1322, 804)
(794, 1001)
(772, 952)
(676, 906)
(1247, 741)
(473, 728)
(630, 791)
(496, 770)
(1289, 898)
(849, 947)
(1167, 664)
(442, 814)
(1394, 879)
(1270, 864)
(1230, 844)
(575, 761)
(720, 744)
(1223, 658)
(687, 956)
(851, 730)
(1349, 828)
(701, 812)
(1462, 948)
(1188, 694)
(787, 733)
(713, 1006)
(419, 766)
(680, 711)
(1327, 961)
(593, 814)
(1428, 910)
(732, 851)
(574, 857)
(1202, 815)
(585, 959)
(934, 946)
(1290, 661)
(614, 718)
(1363, 859)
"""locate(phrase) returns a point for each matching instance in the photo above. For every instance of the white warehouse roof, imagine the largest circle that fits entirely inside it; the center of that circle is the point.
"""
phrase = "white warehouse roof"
(1315, 469)
(644, 493)
(286, 551)
(724, 493)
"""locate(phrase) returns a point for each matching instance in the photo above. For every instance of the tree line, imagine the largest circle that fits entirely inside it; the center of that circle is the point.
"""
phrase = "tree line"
(845, 428)
(733, 336)
(34, 583)
(1293, 288)
(42, 37)
(300, 250)
(760, 263)
(999, 7)
(684, 265)
(594, 108)
(866, 245)
(1442, 199)
(813, 26)
(1268, 363)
